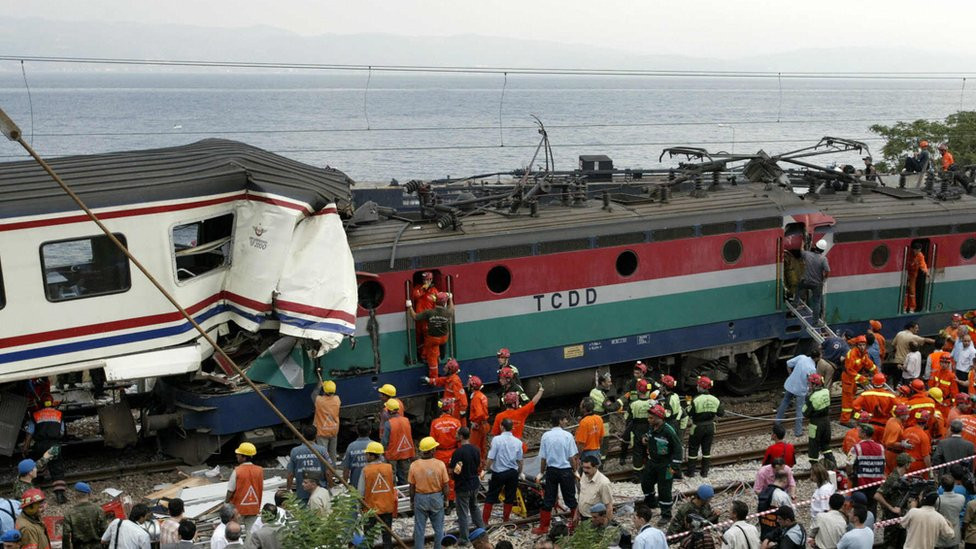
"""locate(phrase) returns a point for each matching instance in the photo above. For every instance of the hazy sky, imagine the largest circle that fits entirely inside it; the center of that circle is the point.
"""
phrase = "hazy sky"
(705, 28)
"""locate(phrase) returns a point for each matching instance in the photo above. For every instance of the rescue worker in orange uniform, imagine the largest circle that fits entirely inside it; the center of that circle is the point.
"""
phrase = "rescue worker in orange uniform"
(397, 438)
(914, 264)
(377, 486)
(951, 332)
(326, 420)
(938, 424)
(589, 434)
(508, 376)
(518, 415)
(853, 435)
(444, 430)
(438, 328)
(453, 389)
(387, 393)
(877, 404)
(424, 298)
(920, 400)
(857, 366)
(903, 394)
(893, 439)
(478, 416)
(875, 328)
(961, 407)
(919, 442)
(943, 373)
(246, 485)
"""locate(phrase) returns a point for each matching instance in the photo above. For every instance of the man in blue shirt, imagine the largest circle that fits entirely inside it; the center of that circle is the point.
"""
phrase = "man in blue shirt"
(355, 458)
(558, 463)
(505, 464)
(302, 460)
(796, 386)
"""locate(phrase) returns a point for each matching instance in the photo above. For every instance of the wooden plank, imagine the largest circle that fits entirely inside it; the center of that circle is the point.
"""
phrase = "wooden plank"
(174, 490)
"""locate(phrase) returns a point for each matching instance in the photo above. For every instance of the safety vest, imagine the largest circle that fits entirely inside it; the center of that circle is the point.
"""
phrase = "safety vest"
(673, 410)
(819, 404)
(598, 397)
(327, 415)
(869, 462)
(47, 424)
(704, 408)
(639, 409)
(249, 489)
(380, 491)
(401, 441)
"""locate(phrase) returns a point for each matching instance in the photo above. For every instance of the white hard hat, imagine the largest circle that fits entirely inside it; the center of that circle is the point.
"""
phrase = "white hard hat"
(822, 244)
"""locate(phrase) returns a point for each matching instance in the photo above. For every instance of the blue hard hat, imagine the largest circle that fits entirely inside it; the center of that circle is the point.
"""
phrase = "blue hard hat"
(26, 466)
(476, 533)
(358, 540)
(10, 536)
(83, 487)
(705, 491)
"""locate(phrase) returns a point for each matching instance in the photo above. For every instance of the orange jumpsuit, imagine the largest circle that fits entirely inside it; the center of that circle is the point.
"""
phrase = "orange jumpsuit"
(851, 437)
(943, 374)
(879, 403)
(893, 435)
(916, 404)
(947, 160)
(882, 344)
(444, 430)
(855, 363)
(916, 263)
(518, 417)
(968, 427)
(478, 419)
(921, 448)
(453, 388)
(423, 299)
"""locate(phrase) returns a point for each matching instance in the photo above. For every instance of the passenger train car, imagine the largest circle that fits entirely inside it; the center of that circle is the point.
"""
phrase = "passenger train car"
(659, 267)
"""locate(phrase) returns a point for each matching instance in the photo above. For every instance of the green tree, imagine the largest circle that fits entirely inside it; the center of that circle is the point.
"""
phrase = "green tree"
(957, 130)
(585, 536)
(307, 528)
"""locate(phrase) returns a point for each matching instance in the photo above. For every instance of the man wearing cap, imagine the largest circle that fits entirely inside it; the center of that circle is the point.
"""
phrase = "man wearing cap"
(26, 473)
(920, 445)
(558, 463)
(867, 462)
(453, 389)
(326, 419)
(45, 430)
(479, 539)
(505, 464)
(84, 523)
(10, 538)
(397, 438)
(302, 460)
(817, 410)
(478, 416)
(816, 269)
(664, 454)
(889, 496)
(424, 297)
(33, 534)
(518, 414)
(914, 263)
(386, 393)
(874, 327)
(703, 410)
(796, 387)
(429, 484)
(698, 504)
(378, 490)
(246, 485)
(439, 321)
(942, 374)
(858, 369)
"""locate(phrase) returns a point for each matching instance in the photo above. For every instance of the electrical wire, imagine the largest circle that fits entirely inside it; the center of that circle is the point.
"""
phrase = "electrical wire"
(30, 103)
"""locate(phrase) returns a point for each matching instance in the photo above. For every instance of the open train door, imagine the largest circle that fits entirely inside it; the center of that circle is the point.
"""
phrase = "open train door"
(12, 410)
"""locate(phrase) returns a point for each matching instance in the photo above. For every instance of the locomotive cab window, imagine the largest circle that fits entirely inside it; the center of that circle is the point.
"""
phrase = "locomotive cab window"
(202, 246)
(84, 267)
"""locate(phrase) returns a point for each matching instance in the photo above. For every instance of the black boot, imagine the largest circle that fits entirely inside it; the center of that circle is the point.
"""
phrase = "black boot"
(60, 497)
(705, 464)
(690, 467)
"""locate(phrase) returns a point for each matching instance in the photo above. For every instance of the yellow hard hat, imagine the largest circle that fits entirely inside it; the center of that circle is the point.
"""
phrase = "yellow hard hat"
(246, 449)
(427, 444)
(936, 393)
(388, 390)
(374, 448)
(392, 405)
(329, 387)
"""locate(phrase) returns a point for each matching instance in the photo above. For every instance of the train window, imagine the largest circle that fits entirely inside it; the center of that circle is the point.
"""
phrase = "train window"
(626, 263)
(84, 267)
(203, 246)
(371, 294)
(968, 248)
(879, 256)
(499, 279)
(732, 250)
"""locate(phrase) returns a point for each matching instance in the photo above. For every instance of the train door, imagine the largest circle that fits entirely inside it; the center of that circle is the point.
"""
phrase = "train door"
(794, 241)
(422, 289)
(918, 264)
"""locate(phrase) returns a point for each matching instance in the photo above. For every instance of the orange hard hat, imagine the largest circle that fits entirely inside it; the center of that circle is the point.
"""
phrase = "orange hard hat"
(859, 339)
(878, 379)
(923, 144)
(918, 385)
(875, 325)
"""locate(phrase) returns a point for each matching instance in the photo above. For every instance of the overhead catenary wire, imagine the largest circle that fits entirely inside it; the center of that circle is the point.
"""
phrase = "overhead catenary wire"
(30, 101)
(13, 133)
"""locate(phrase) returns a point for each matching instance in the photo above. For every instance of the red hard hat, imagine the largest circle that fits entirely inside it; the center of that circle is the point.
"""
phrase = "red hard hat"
(668, 381)
(901, 410)
(506, 374)
(956, 316)
(815, 379)
(447, 405)
(905, 390)
(704, 382)
(503, 353)
(640, 366)
(878, 379)
(642, 386)
(452, 366)
(923, 416)
(658, 411)
(441, 298)
(511, 399)
(918, 385)
(864, 417)
(474, 382)
(31, 496)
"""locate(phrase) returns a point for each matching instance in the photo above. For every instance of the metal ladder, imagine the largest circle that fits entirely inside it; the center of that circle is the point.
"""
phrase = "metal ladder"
(819, 331)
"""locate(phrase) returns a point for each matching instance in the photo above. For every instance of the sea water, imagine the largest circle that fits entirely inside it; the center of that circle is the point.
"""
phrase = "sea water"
(434, 125)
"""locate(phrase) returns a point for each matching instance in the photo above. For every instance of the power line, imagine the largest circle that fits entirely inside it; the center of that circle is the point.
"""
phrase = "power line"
(550, 71)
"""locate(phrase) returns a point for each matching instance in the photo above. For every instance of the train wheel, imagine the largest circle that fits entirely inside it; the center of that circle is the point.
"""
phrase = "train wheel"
(749, 374)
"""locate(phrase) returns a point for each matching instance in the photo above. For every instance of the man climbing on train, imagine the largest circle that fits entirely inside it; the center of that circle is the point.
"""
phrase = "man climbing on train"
(914, 264)
(438, 328)
(424, 298)
(453, 389)
(816, 269)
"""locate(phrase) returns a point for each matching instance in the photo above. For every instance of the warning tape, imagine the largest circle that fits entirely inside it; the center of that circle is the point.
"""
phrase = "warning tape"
(805, 502)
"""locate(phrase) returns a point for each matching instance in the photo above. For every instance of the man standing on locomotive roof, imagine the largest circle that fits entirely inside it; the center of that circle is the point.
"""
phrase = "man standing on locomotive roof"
(815, 273)
(438, 328)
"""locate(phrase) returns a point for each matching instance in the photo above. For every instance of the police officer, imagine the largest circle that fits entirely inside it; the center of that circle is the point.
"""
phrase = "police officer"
(664, 455)
(702, 411)
(84, 523)
(46, 430)
(817, 410)
(637, 424)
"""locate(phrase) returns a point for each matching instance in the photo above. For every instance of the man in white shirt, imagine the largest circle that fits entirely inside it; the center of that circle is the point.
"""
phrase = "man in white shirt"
(859, 537)
(126, 533)
(648, 537)
(741, 535)
(963, 353)
(319, 500)
(829, 527)
(227, 513)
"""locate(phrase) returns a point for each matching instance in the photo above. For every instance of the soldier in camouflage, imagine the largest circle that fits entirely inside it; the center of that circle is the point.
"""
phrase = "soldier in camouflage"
(699, 504)
(84, 523)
